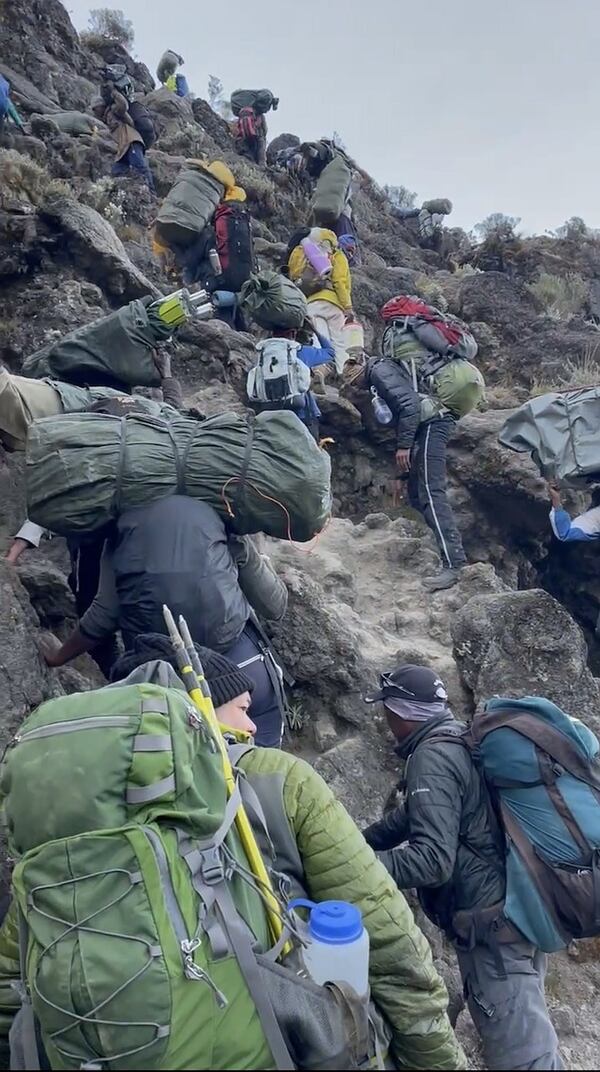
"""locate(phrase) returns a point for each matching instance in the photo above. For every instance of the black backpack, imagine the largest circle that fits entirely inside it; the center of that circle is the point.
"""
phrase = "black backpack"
(142, 122)
(235, 245)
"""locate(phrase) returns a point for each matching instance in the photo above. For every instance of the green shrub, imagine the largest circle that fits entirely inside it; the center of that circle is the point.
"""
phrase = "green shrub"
(562, 296)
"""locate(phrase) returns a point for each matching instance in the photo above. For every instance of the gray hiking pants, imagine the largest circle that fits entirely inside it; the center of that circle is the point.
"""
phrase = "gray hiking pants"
(510, 1014)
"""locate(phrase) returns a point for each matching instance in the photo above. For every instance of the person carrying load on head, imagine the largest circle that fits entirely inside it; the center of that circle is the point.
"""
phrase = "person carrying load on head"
(248, 820)
(129, 122)
(167, 75)
(281, 377)
(430, 219)
(250, 106)
(428, 382)
(318, 266)
(445, 840)
(177, 551)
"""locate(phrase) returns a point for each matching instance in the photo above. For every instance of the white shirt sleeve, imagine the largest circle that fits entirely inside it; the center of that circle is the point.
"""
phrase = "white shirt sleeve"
(31, 532)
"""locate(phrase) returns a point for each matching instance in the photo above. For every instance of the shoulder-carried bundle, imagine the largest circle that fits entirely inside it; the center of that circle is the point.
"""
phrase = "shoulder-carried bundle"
(279, 378)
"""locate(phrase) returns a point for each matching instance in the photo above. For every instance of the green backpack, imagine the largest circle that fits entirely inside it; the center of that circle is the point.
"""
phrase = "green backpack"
(458, 386)
(144, 941)
(452, 384)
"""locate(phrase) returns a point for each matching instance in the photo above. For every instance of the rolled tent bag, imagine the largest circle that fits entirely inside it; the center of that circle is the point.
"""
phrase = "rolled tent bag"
(273, 301)
(561, 432)
(331, 192)
(189, 205)
(261, 474)
(118, 346)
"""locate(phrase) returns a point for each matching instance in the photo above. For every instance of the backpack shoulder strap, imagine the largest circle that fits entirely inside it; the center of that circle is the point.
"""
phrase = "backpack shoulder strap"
(548, 738)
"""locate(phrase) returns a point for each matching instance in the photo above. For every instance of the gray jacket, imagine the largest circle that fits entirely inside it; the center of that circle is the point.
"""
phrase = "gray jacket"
(175, 551)
(454, 854)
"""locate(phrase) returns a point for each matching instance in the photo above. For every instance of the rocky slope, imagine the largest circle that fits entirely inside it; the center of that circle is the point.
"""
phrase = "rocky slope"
(74, 243)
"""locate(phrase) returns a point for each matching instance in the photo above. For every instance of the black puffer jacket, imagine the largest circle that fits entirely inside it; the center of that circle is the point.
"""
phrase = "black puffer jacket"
(393, 384)
(455, 852)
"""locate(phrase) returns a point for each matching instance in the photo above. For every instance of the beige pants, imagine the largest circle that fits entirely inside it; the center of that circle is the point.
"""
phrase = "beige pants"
(329, 320)
(22, 401)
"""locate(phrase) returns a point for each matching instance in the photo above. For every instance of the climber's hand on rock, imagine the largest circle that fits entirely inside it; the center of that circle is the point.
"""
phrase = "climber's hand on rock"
(403, 460)
(16, 550)
(49, 647)
(554, 494)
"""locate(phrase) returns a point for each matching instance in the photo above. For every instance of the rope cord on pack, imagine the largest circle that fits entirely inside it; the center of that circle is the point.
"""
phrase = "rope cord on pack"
(161, 1031)
(199, 692)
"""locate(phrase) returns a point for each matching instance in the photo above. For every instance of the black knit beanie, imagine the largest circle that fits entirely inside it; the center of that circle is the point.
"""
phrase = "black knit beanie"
(225, 679)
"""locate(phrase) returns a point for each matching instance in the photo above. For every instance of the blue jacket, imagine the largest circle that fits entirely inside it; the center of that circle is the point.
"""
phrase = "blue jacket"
(312, 356)
(585, 527)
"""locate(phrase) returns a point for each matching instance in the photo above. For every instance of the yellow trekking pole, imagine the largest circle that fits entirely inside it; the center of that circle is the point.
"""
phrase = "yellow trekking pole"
(192, 675)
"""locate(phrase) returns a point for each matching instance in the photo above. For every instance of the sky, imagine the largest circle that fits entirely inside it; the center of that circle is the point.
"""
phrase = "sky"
(492, 103)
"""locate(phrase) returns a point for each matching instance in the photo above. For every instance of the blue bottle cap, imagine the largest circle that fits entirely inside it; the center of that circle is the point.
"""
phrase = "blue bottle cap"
(332, 922)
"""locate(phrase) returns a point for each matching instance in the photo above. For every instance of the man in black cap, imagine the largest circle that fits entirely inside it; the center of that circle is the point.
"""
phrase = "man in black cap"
(445, 841)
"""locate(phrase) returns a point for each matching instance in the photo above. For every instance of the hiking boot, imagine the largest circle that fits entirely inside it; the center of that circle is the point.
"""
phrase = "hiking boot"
(446, 578)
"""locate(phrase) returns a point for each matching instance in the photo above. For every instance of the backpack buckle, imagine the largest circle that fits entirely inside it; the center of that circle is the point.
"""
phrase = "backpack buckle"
(212, 870)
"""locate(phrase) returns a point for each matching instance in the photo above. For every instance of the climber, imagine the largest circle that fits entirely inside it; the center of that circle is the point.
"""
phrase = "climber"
(430, 219)
(167, 76)
(423, 430)
(7, 108)
(584, 527)
(249, 106)
(329, 298)
(304, 349)
(315, 844)
(114, 110)
(452, 851)
(176, 551)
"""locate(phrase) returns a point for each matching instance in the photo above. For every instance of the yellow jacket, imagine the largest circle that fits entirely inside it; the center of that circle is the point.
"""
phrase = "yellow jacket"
(340, 291)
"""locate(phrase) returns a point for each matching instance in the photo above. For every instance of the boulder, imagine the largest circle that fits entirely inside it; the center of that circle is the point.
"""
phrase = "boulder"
(525, 643)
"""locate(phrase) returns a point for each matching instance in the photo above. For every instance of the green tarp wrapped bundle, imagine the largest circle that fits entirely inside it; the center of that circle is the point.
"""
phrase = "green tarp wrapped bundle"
(273, 301)
(331, 192)
(189, 205)
(118, 347)
(261, 474)
(560, 432)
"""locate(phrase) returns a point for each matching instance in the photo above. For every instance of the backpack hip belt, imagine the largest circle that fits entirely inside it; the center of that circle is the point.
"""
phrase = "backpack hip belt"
(485, 926)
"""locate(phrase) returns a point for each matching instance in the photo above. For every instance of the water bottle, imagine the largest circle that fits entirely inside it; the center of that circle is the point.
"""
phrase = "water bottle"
(316, 257)
(215, 261)
(383, 413)
(338, 944)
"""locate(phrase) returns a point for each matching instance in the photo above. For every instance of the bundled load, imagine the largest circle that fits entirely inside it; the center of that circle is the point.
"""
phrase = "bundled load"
(167, 65)
(439, 332)
(273, 301)
(74, 123)
(560, 432)
(191, 202)
(117, 347)
(260, 100)
(438, 206)
(332, 190)
(263, 474)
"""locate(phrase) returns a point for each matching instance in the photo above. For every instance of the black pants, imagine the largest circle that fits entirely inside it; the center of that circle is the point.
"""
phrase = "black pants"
(427, 488)
(83, 582)
(266, 708)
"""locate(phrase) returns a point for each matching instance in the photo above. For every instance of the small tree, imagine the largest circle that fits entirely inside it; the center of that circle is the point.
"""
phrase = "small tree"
(111, 23)
(217, 100)
(574, 228)
(400, 196)
(497, 225)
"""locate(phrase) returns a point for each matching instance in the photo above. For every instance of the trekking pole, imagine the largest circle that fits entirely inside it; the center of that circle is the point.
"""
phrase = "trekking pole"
(192, 675)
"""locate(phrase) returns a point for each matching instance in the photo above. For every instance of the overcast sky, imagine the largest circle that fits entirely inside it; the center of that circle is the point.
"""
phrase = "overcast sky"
(493, 104)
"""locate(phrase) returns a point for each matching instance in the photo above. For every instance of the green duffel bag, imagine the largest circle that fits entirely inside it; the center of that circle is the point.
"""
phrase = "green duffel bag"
(259, 99)
(189, 205)
(118, 347)
(261, 474)
(273, 301)
(331, 192)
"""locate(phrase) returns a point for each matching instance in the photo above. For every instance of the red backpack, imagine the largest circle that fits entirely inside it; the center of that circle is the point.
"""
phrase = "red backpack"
(439, 332)
(234, 244)
(247, 125)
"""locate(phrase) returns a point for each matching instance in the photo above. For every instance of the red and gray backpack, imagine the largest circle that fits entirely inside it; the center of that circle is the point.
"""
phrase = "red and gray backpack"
(234, 244)
(247, 124)
(439, 332)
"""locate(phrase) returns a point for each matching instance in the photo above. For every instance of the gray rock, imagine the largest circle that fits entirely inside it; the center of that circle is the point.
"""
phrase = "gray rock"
(48, 591)
(525, 643)
(564, 1021)
(96, 249)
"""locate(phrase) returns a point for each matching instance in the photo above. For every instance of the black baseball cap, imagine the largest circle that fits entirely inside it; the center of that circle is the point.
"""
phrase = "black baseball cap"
(414, 684)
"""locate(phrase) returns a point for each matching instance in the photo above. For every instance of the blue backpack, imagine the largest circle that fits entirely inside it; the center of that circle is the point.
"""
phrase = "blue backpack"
(543, 772)
(4, 95)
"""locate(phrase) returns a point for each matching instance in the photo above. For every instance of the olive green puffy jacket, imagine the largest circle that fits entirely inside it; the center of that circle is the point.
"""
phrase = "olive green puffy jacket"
(337, 864)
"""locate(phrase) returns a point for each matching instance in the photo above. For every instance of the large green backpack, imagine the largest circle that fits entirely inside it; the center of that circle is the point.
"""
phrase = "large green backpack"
(143, 939)
(450, 384)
